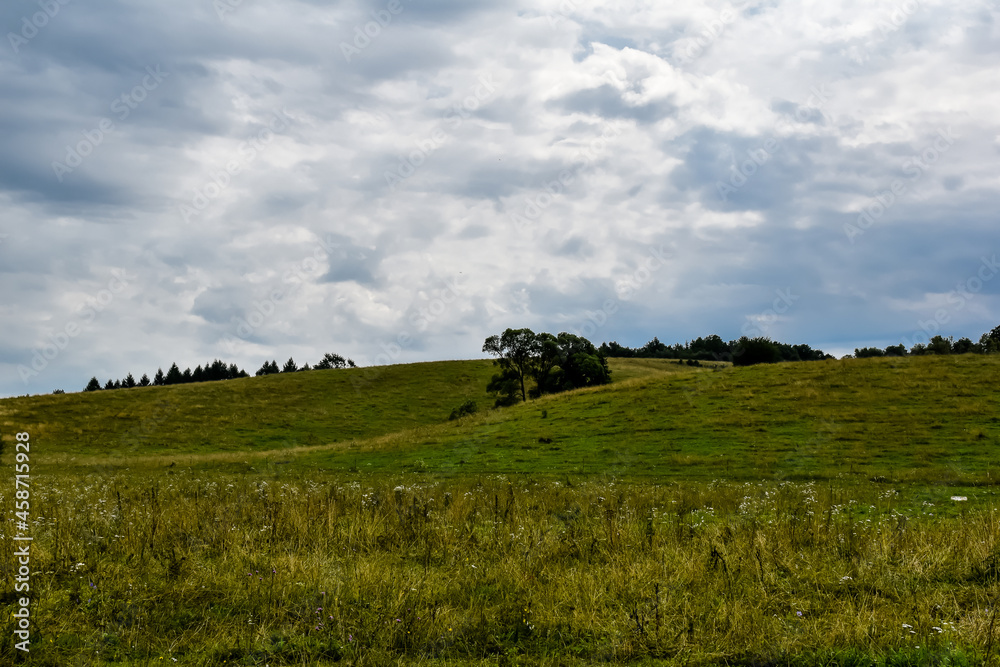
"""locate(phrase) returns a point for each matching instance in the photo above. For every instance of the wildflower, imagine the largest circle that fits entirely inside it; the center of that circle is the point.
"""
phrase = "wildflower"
(959, 498)
(798, 613)
(907, 625)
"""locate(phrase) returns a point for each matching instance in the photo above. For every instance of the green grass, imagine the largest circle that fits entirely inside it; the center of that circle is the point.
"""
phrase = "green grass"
(251, 414)
(794, 514)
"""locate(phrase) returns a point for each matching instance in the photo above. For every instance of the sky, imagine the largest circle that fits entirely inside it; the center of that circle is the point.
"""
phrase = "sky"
(396, 180)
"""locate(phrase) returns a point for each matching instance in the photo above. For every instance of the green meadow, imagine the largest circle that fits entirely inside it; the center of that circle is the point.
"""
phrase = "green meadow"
(837, 512)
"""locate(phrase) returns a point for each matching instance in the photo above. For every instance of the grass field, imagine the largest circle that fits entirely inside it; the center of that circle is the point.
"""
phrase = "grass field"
(790, 514)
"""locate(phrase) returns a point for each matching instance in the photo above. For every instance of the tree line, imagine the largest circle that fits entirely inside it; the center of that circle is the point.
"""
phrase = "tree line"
(214, 371)
(989, 343)
(742, 352)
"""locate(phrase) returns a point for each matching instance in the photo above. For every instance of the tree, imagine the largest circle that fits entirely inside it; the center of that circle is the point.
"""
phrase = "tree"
(198, 374)
(567, 362)
(331, 361)
(269, 368)
(868, 352)
(158, 380)
(989, 343)
(963, 346)
(173, 375)
(186, 376)
(516, 351)
(117, 384)
(144, 380)
(939, 345)
(110, 384)
(750, 351)
(896, 350)
(128, 382)
(93, 385)
(506, 386)
(290, 366)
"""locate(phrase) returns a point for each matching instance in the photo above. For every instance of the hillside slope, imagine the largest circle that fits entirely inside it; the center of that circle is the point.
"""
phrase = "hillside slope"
(931, 419)
(253, 414)
(260, 413)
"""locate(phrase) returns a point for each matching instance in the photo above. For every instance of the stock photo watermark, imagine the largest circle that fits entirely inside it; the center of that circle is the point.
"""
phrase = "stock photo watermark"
(536, 203)
(60, 340)
(914, 168)
(456, 114)
(246, 153)
(694, 47)
(304, 271)
(224, 7)
(625, 289)
(365, 34)
(421, 319)
(22, 539)
(32, 25)
(122, 106)
(957, 299)
(742, 173)
(757, 325)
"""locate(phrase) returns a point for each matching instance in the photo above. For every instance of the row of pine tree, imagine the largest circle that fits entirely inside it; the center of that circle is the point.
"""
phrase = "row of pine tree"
(217, 370)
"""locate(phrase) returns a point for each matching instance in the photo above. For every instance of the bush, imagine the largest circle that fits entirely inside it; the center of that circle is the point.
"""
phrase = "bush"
(464, 410)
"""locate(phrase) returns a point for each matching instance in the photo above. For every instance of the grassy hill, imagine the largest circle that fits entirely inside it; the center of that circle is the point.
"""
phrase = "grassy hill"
(930, 419)
(258, 414)
(338, 517)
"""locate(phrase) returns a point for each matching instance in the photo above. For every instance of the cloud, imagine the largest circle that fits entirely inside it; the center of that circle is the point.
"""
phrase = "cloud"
(460, 167)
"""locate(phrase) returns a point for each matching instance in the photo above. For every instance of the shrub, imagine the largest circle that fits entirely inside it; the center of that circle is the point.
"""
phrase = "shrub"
(464, 410)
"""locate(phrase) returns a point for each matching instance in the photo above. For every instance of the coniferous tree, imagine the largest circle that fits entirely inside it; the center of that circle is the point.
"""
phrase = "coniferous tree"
(269, 368)
(173, 375)
(144, 380)
(93, 385)
(290, 366)
(186, 376)
(117, 384)
(110, 384)
(128, 382)
(158, 380)
(198, 375)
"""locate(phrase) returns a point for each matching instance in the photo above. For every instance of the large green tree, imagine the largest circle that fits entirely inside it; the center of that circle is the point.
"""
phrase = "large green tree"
(556, 363)
(516, 352)
(568, 361)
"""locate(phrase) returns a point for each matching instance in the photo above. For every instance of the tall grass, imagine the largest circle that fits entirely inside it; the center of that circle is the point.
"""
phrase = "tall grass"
(225, 569)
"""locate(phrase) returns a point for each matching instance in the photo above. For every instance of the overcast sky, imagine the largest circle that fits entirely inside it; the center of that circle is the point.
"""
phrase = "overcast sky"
(396, 180)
